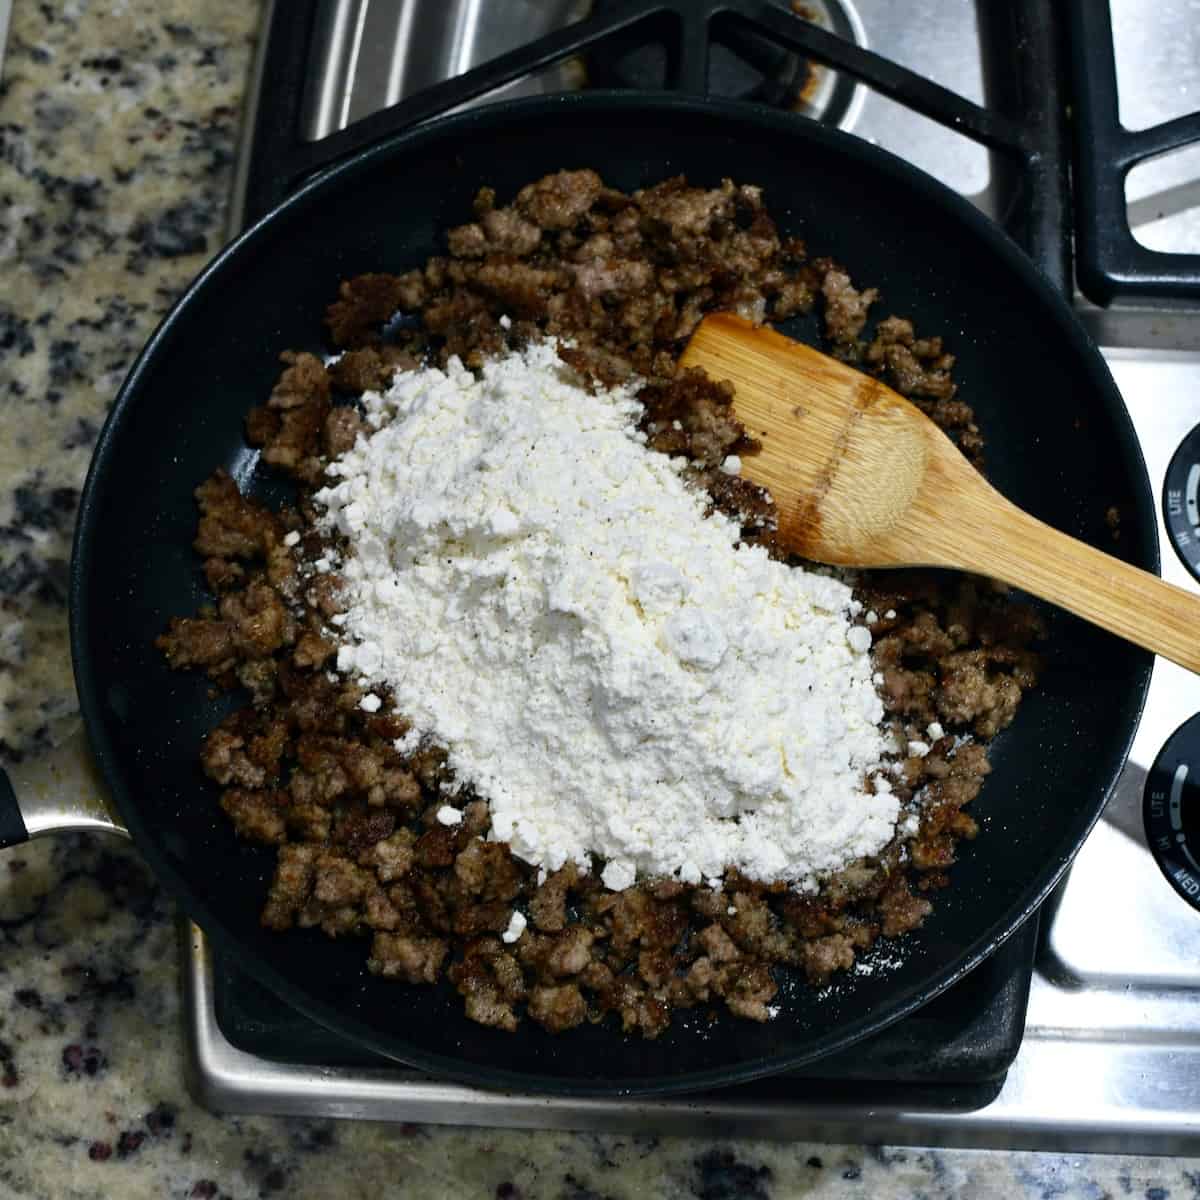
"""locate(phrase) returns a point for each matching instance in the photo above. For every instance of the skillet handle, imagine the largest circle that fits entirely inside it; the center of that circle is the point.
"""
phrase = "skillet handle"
(59, 792)
(12, 824)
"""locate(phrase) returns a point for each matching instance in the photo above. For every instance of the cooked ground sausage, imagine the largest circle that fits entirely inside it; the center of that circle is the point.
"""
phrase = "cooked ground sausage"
(360, 850)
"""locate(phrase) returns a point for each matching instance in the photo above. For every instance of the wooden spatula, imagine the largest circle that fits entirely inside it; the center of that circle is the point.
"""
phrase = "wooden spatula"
(863, 478)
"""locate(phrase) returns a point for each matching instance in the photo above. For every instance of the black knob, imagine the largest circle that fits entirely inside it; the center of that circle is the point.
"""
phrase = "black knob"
(1181, 501)
(1171, 810)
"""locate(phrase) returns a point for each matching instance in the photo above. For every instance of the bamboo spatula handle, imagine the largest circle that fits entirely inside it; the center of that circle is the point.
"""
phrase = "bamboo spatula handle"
(1125, 600)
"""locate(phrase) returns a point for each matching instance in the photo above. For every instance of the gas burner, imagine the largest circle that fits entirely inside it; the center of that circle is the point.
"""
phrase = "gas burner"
(746, 65)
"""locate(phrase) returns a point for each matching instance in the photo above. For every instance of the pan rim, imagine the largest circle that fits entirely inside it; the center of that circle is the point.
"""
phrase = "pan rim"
(729, 115)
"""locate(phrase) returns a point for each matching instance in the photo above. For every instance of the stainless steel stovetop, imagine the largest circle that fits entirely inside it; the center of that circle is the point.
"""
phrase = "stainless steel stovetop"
(1111, 1054)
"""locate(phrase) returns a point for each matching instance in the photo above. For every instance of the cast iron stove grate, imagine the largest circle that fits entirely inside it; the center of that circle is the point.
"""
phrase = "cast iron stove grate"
(1023, 124)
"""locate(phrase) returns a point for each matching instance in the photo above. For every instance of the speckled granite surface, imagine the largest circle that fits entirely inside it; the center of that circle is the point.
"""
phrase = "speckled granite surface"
(117, 128)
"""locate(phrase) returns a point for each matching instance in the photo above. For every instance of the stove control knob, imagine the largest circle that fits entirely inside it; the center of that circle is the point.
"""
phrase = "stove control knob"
(1181, 501)
(1171, 810)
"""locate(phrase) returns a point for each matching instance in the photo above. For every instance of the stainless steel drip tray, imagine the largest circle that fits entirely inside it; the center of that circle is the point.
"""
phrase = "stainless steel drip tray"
(1099, 1070)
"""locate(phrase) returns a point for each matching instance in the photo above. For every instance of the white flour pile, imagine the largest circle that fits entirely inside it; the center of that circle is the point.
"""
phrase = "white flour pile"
(606, 667)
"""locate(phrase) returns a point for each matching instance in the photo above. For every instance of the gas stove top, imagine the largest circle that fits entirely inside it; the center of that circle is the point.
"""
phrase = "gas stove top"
(1098, 1045)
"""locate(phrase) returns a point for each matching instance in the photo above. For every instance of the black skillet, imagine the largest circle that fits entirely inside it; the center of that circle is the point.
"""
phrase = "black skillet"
(1059, 444)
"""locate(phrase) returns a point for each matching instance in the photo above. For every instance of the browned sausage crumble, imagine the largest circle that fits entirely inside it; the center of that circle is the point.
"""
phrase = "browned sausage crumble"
(360, 853)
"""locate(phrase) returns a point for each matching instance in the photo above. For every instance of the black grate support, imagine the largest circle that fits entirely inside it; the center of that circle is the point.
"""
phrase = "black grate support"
(1112, 264)
(1025, 128)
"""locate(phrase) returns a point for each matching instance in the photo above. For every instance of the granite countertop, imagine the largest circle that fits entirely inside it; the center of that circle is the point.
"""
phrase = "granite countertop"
(118, 122)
